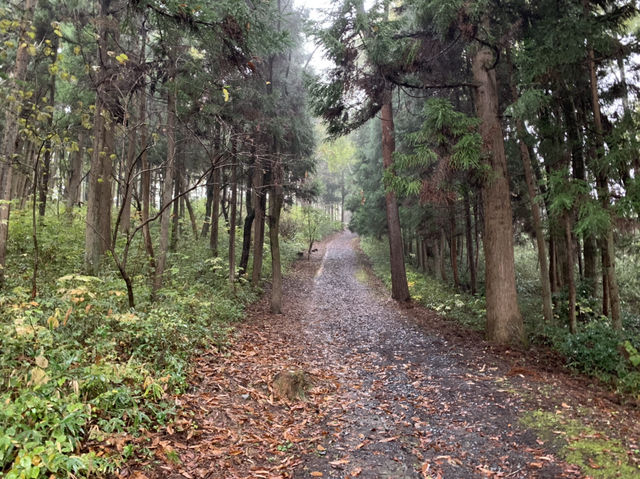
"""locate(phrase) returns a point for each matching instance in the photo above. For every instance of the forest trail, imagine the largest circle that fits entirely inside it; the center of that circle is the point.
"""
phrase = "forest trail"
(395, 394)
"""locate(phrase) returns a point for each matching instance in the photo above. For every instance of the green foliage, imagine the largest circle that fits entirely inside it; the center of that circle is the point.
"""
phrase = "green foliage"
(427, 291)
(307, 224)
(77, 364)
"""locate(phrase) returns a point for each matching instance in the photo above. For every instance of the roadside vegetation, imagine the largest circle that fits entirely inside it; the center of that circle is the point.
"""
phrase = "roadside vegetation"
(596, 349)
(80, 370)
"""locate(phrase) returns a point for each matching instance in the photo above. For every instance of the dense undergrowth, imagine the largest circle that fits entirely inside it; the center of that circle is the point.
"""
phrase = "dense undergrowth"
(596, 349)
(79, 368)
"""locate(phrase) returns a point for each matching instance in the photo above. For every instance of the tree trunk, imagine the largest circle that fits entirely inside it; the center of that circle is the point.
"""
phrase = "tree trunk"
(275, 207)
(167, 186)
(125, 220)
(215, 211)
(453, 249)
(175, 208)
(98, 228)
(259, 202)
(443, 265)
(145, 177)
(248, 222)
(11, 125)
(207, 209)
(232, 216)
(192, 217)
(399, 287)
(43, 186)
(573, 324)
(75, 175)
(469, 233)
(437, 263)
(547, 306)
(504, 322)
(608, 246)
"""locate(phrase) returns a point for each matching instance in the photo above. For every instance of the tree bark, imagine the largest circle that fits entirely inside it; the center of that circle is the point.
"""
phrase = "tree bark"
(469, 233)
(504, 322)
(11, 125)
(233, 212)
(207, 209)
(275, 207)
(259, 202)
(453, 250)
(43, 186)
(399, 286)
(75, 175)
(125, 220)
(215, 212)
(571, 284)
(248, 222)
(443, 265)
(608, 245)
(167, 186)
(192, 217)
(145, 176)
(98, 228)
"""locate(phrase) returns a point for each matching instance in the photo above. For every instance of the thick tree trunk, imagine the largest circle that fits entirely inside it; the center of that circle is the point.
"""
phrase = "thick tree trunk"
(11, 125)
(399, 287)
(167, 187)
(276, 197)
(98, 228)
(504, 322)
(259, 202)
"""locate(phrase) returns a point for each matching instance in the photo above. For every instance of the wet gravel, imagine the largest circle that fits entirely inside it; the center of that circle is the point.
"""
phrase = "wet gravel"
(411, 405)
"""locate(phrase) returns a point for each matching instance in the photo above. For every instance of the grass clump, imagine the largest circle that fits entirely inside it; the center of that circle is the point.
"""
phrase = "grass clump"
(597, 455)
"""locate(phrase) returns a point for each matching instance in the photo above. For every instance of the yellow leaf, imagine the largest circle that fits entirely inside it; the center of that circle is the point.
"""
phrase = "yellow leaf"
(225, 92)
(42, 362)
(122, 58)
(38, 376)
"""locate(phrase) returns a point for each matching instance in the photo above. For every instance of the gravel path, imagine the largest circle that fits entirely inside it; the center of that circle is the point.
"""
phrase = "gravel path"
(411, 404)
(396, 393)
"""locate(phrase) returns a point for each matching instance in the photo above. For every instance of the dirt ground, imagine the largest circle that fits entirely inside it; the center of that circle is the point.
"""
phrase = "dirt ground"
(394, 393)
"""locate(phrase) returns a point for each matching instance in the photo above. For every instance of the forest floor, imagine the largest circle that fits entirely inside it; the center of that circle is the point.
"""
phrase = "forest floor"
(393, 393)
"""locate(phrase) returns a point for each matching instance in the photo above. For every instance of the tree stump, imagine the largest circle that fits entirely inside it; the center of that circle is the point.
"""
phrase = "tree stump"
(291, 384)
